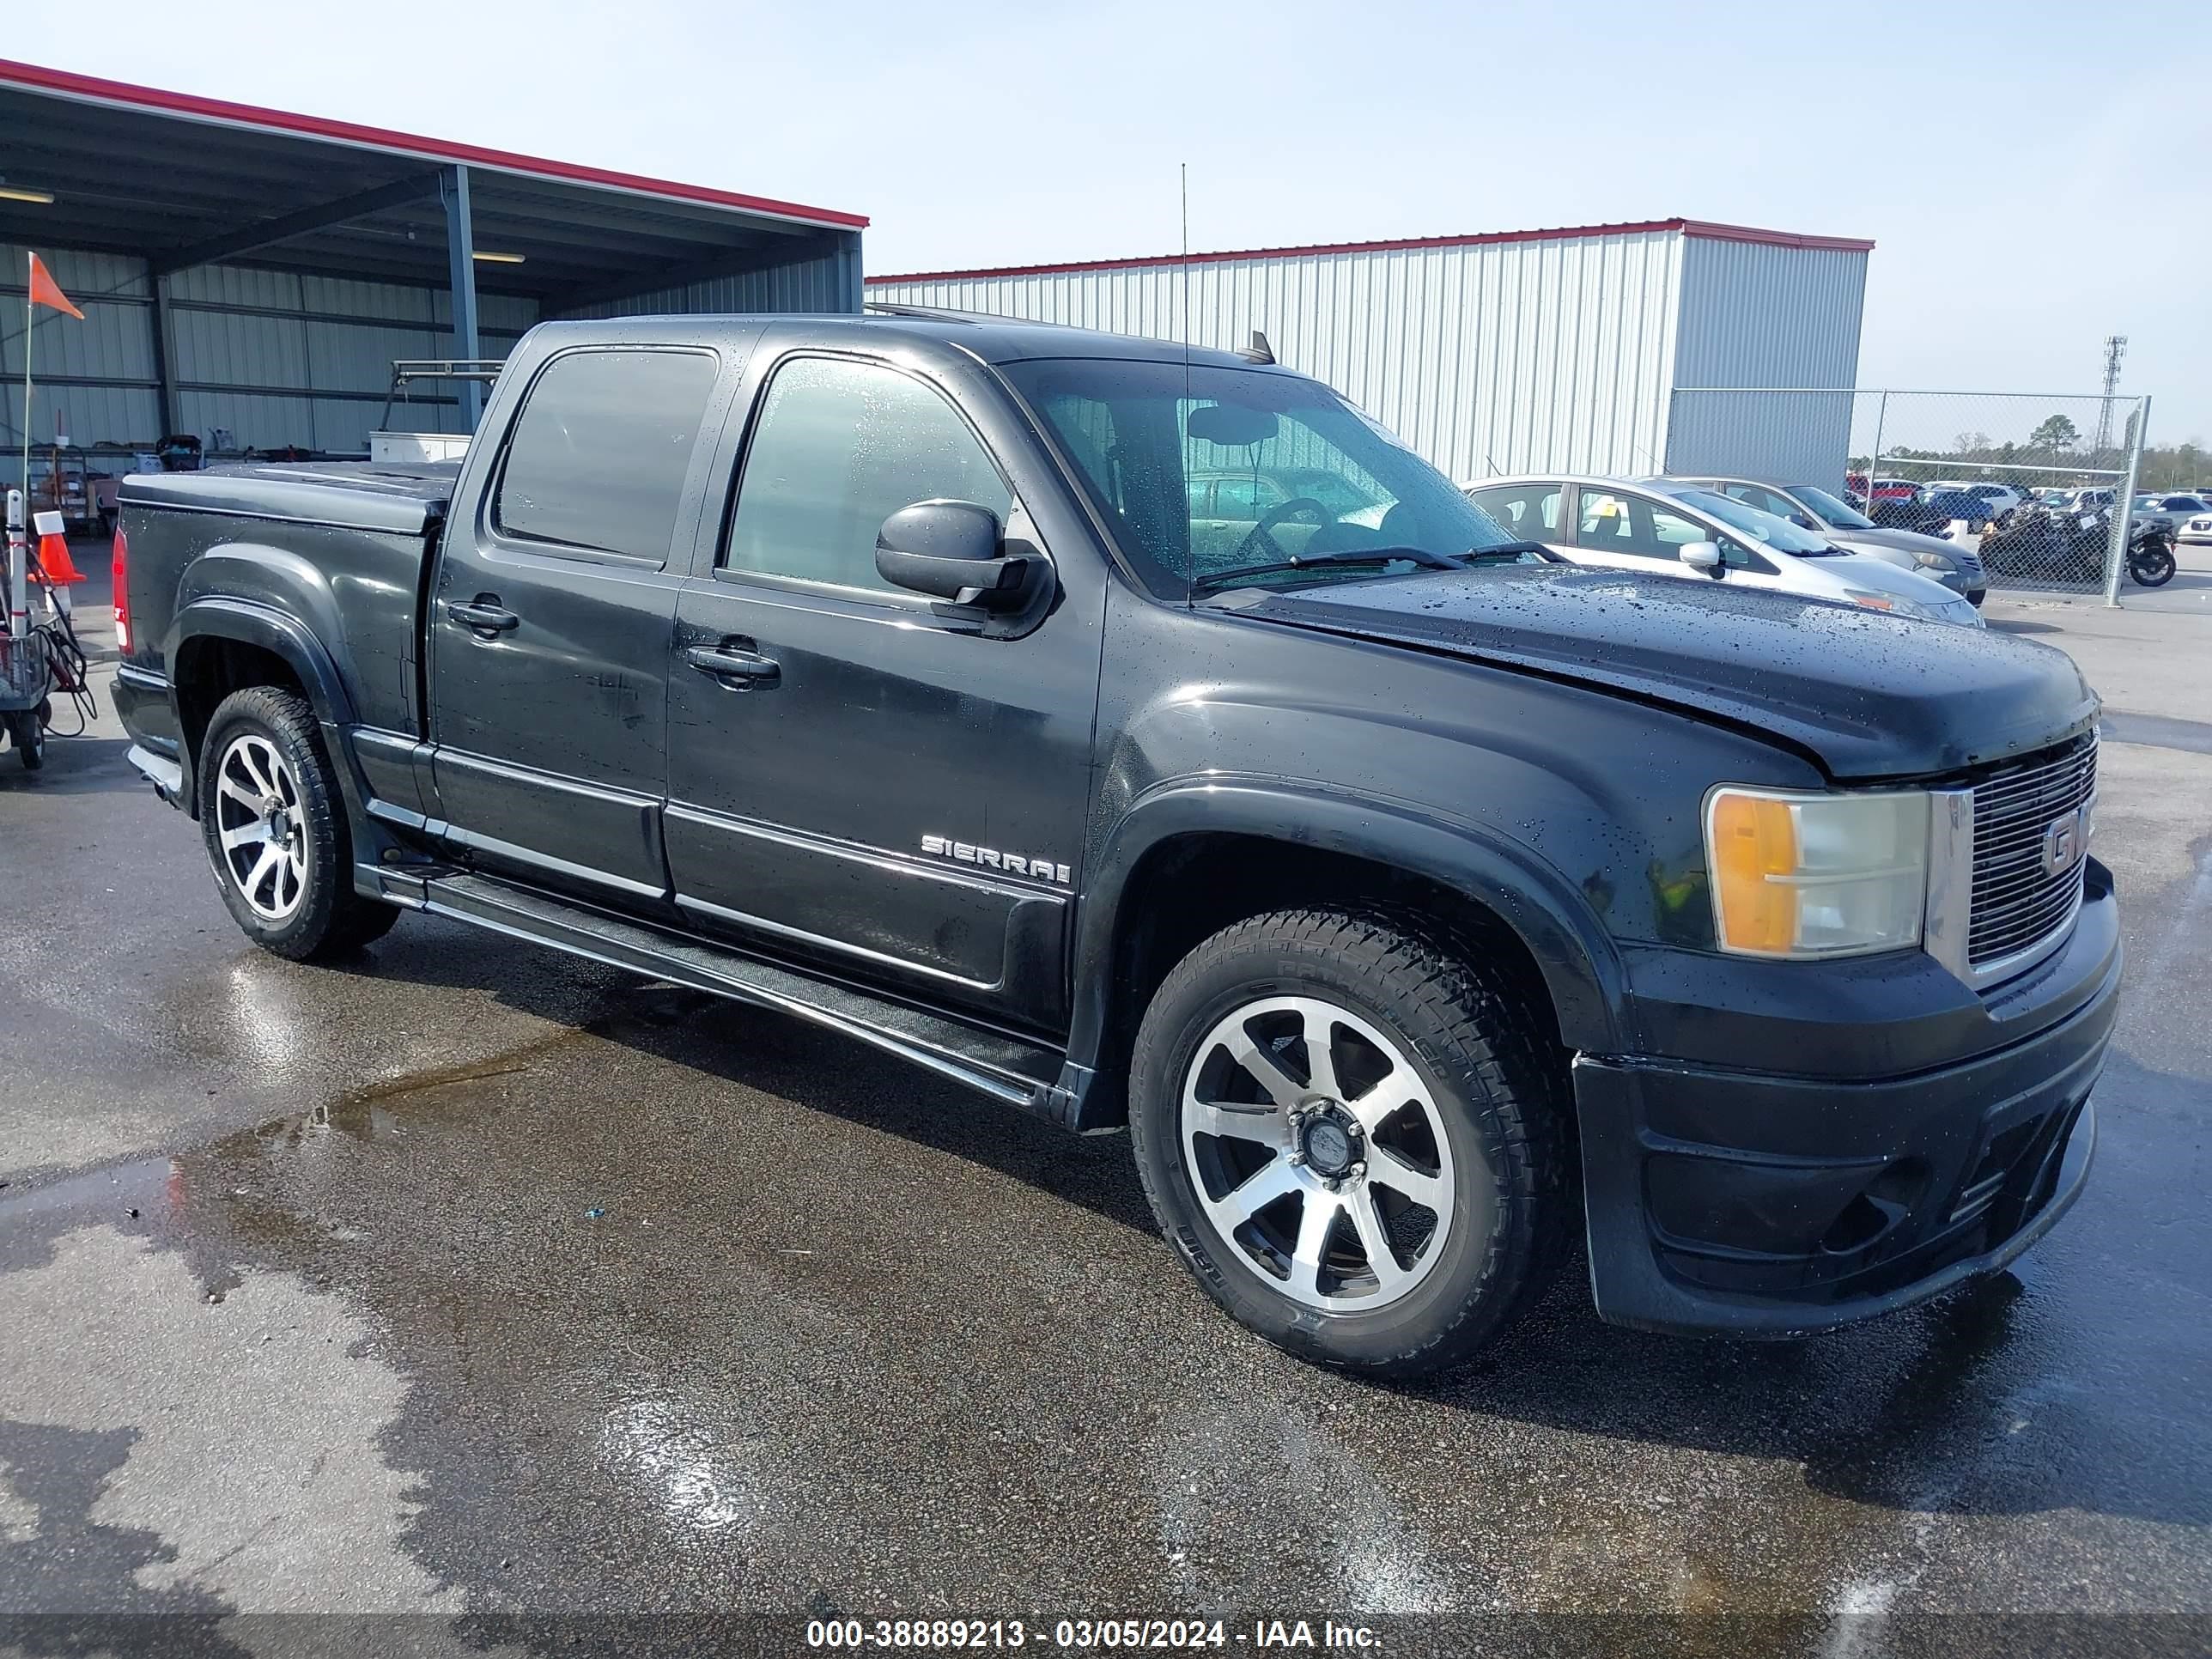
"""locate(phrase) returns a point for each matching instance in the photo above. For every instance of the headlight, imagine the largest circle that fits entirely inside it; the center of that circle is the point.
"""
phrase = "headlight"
(1816, 875)
(1893, 604)
(1933, 562)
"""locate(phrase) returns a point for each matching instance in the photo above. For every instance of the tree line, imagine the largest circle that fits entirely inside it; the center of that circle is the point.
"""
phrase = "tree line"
(2055, 442)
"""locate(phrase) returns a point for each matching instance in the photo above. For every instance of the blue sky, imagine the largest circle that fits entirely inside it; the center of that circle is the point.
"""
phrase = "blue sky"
(2036, 175)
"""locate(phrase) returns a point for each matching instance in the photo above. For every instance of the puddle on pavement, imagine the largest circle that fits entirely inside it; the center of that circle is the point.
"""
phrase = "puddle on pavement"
(731, 1352)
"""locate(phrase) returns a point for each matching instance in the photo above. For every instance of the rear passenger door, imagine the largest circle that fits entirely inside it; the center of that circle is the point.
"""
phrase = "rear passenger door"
(548, 624)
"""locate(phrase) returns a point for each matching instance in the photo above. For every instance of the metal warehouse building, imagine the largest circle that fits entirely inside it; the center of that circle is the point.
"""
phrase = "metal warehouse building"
(1515, 351)
(250, 275)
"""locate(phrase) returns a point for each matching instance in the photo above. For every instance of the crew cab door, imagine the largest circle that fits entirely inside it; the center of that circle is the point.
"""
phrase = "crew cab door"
(859, 775)
(548, 619)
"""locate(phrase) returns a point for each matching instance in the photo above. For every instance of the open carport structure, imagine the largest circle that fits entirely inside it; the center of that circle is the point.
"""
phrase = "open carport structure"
(254, 273)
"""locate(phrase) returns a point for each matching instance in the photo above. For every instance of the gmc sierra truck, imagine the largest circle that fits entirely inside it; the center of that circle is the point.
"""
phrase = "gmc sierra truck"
(1143, 737)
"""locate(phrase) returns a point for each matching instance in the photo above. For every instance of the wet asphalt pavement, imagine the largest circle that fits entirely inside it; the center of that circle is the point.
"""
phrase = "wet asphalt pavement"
(467, 1279)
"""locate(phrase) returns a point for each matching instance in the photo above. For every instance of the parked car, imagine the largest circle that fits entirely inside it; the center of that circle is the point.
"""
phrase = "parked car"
(1885, 489)
(2172, 511)
(1685, 530)
(2003, 499)
(2197, 526)
(1244, 496)
(1426, 908)
(1808, 506)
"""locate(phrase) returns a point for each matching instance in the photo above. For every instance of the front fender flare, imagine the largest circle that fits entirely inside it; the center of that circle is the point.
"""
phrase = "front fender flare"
(1581, 969)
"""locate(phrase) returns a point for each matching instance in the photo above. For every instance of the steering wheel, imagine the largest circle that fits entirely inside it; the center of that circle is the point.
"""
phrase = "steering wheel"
(1282, 513)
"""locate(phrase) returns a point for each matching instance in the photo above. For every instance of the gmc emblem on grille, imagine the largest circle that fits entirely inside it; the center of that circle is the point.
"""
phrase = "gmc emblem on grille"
(2064, 842)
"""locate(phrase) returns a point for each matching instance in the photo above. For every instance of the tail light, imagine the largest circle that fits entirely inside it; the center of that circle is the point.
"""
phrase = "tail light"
(118, 570)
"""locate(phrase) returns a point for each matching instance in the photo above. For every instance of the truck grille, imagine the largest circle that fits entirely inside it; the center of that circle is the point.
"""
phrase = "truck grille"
(2018, 902)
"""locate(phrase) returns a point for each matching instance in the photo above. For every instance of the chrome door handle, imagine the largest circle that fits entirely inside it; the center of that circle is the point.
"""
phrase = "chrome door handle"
(484, 617)
(725, 663)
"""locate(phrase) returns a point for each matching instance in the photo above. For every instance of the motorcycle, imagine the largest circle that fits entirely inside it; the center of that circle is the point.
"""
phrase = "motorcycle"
(2150, 555)
(2049, 549)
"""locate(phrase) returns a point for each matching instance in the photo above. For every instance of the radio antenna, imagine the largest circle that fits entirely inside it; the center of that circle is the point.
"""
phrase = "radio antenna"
(1189, 554)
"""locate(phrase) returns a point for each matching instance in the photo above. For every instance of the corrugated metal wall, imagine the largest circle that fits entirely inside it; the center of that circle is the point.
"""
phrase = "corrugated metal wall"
(830, 282)
(276, 357)
(1759, 315)
(273, 357)
(1535, 355)
(1486, 358)
(98, 375)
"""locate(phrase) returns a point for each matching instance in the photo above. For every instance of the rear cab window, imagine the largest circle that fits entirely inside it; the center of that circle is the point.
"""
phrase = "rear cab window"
(596, 462)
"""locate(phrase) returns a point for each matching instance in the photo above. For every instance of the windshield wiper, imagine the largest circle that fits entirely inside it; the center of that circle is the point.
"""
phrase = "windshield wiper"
(1371, 556)
(1507, 550)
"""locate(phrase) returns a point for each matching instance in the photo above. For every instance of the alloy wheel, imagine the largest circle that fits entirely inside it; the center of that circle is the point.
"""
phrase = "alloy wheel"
(1318, 1153)
(260, 827)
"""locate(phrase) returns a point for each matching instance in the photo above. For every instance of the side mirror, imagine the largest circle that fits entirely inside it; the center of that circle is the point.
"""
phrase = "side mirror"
(1705, 557)
(1803, 522)
(952, 551)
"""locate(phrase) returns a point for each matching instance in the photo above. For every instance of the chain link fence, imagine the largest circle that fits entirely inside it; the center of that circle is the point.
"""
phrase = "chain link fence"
(2040, 484)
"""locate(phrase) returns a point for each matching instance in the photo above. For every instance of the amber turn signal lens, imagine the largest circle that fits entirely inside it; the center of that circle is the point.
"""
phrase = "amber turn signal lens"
(1754, 841)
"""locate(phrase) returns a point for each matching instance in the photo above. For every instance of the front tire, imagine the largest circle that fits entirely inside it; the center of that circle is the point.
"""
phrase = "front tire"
(27, 733)
(1354, 1134)
(276, 832)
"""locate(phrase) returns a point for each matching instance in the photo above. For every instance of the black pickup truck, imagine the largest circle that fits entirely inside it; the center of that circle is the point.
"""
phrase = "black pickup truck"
(974, 688)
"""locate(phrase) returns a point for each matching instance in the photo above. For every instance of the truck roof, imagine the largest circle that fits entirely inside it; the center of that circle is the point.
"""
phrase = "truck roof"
(993, 339)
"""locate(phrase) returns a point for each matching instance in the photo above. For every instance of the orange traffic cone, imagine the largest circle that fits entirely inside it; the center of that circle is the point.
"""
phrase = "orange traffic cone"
(54, 569)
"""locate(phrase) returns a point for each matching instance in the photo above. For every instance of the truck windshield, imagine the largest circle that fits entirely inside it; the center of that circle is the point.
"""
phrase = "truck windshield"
(1200, 471)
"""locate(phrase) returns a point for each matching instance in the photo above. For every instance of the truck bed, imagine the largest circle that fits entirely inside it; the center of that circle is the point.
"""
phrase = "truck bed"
(406, 499)
(342, 548)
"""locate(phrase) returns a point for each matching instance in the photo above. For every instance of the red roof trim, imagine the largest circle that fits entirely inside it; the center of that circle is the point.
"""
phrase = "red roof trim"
(93, 87)
(1698, 228)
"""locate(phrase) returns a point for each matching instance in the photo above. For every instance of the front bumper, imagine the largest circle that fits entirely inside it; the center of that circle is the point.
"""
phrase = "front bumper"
(1736, 1202)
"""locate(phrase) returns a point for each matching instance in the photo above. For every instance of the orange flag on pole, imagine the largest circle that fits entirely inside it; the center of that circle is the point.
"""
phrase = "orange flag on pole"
(46, 291)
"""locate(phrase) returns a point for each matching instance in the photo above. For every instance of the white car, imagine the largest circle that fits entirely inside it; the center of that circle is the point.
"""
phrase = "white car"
(2001, 498)
(1666, 526)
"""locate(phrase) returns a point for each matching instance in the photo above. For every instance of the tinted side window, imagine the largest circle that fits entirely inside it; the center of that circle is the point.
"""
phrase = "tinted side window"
(1244, 499)
(841, 447)
(1531, 512)
(598, 456)
(1619, 524)
(1765, 501)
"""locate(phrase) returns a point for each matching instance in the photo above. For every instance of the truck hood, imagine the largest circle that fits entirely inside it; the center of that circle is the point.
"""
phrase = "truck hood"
(1869, 695)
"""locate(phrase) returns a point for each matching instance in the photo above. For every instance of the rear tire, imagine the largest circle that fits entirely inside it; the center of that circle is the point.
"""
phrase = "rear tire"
(2152, 569)
(275, 827)
(1391, 1210)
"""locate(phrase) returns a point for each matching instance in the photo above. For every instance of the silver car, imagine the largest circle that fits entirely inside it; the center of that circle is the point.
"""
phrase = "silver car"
(1955, 564)
(2177, 513)
(1668, 526)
